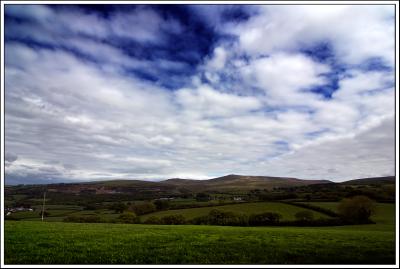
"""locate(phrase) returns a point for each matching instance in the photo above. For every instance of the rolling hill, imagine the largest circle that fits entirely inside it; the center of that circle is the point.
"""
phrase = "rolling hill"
(239, 182)
(370, 181)
(178, 185)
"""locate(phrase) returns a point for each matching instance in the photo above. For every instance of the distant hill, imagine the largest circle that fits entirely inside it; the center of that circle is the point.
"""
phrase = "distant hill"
(178, 186)
(241, 183)
(371, 180)
(227, 183)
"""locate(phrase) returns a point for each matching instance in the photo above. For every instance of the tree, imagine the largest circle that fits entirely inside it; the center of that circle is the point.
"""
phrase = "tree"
(202, 197)
(173, 219)
(356, 209)
(305, 215)
(265, 218)
(219, 217)
(153, 220)
(161, 204)
(128, 217)
(143, 208)
(119, 207)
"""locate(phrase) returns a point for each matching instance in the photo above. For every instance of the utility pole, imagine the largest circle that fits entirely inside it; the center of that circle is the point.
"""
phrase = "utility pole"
(44, 202)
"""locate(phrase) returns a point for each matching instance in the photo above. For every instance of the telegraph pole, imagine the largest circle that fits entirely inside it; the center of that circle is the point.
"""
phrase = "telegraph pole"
(44, 202)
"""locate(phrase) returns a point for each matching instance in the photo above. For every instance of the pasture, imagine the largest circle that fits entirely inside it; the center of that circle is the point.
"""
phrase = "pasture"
(34, 242)
(287, 211)
(81, 243)
(384, 213)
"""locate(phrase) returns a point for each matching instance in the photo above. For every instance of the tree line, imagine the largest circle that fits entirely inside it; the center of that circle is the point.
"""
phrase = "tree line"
(355, 210)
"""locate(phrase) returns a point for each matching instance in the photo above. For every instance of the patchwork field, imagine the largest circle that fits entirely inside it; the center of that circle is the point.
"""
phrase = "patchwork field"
(287, 211)
(33, 242)
(59, 212)
(384, 213)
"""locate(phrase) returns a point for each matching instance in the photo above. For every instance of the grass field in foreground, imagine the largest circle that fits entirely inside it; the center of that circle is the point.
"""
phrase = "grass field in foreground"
(79, 243)
(287, 211)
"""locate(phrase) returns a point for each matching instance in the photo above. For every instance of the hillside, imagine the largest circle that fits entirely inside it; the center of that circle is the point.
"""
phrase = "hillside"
(242, 183)
(371, 180)
(281, 187)
(177, 185)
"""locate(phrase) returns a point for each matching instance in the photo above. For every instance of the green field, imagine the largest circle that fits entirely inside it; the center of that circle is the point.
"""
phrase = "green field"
(59, 212)
(33, 242)
(287, 211)
(75, 243)
(384, 213)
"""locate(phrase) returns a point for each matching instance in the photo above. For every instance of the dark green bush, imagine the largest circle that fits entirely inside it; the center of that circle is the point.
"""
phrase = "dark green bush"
(202, 220)
(357, 209)
(143, 208)
(118, 207)
(266, 218)
(161, 204)
(218, 217)
(202, 197)
(128, 217)
(173, 219)
(153, 220)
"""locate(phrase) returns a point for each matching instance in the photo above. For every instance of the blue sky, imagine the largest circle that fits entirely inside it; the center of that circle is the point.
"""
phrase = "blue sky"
(196, 91)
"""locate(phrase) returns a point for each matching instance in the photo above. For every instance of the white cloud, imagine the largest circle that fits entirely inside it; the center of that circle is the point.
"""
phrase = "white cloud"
(340, 117)
(66, 19)
(209, 102)
(36, 12)
(357, 32)
(363, 83)
(218, 60)
(283, 77)
(366, 154)
(143, 25)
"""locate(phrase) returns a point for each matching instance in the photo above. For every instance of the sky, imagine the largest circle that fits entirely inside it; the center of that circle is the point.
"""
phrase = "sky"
(151, 92)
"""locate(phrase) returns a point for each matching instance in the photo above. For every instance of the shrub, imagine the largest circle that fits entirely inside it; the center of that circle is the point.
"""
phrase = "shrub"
(305, 215)
(357, 209)
(45, 214)
(202, 197)
(266, 218)
(87, 219)
(143, 208)
(119, 207)
(161, 204)
(218, 217)
(173, 219)
(153, 220)
(71, 219)
(201, 220)
(128, 217)
(92, 219)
